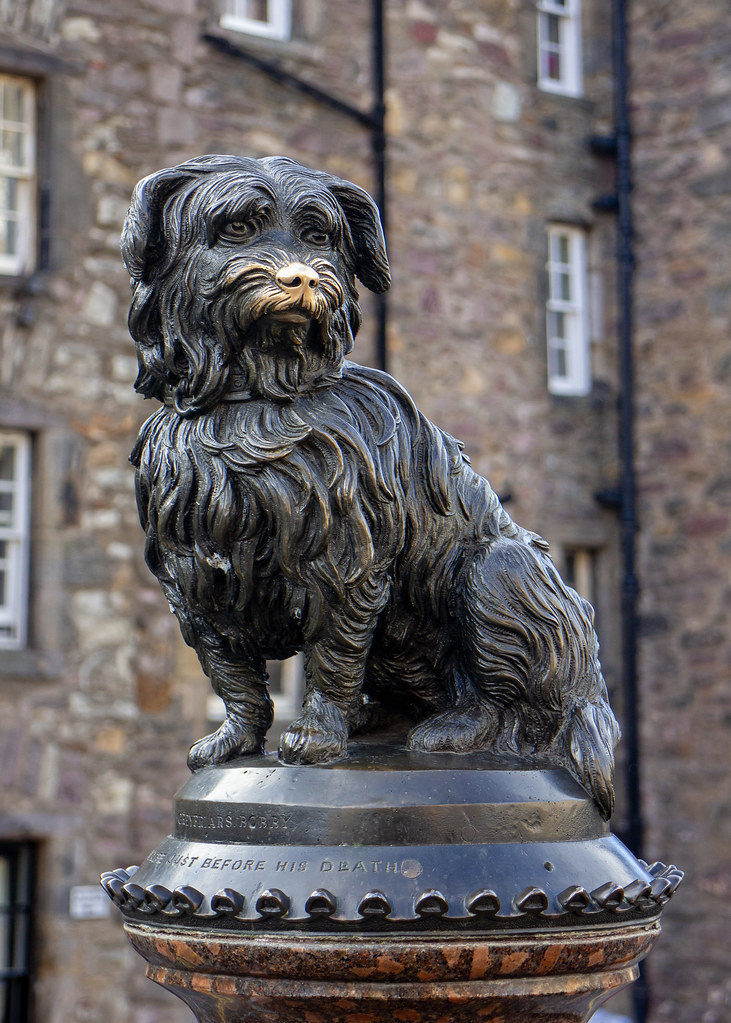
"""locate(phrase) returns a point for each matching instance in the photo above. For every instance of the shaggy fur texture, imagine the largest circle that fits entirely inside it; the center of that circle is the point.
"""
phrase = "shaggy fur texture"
(295, 501)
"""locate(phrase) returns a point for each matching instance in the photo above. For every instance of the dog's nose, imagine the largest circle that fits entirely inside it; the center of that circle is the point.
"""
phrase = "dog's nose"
(298, 280)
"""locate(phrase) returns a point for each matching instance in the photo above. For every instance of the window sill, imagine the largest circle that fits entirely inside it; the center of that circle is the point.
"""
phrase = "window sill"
(25, 284)
(299, 49)
(42, 665)
(560, 89)
(565, 99)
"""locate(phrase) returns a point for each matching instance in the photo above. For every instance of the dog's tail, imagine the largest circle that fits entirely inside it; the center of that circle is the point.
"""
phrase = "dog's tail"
(589, 737)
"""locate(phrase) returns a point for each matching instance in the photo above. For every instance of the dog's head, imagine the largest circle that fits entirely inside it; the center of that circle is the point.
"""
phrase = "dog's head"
(243, 277)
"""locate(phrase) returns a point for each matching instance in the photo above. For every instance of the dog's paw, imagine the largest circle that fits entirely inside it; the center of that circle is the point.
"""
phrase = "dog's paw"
(227, 742)
(456, 731)
(320, 734)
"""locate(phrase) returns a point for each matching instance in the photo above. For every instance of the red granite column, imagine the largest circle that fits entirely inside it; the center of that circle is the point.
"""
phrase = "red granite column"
(295, 978)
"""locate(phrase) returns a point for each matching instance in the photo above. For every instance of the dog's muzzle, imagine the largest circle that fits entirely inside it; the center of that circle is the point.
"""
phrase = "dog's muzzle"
(301, 284)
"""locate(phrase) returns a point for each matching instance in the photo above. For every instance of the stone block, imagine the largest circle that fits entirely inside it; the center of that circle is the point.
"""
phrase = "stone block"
(100, 305)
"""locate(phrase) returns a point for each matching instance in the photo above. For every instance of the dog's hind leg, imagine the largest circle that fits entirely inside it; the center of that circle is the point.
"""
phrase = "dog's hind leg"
(241, 682)
(466, 726)
(531, 651)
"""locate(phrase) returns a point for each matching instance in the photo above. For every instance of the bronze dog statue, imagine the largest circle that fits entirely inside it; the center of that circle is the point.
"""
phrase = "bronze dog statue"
(295, 501)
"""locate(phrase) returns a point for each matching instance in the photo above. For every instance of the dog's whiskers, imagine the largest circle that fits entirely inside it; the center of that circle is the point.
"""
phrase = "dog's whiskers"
(253, 274)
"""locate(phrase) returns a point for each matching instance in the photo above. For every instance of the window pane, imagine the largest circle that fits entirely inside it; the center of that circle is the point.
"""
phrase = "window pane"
(569, 569)
(254, 10)
(7, 462)
(560, 248)
(5, 899)
(11, 148)
(8, 193)
(557, 361)
(3, 550)
(556, 325)
(6, 509)
(562, 368)
(3, 587)
(8, 237)
(553, 66)
(580, 571)
(13, 104)
(561, 290)
(20, 941)
(553, 28)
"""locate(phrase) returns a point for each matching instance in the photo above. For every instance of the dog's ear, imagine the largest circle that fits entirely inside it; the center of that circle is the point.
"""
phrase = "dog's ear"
(143, 244)
(142, 235)
(364, 221)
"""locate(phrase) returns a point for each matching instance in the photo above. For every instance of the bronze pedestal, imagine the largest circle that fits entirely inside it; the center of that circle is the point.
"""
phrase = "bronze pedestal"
(391, 886)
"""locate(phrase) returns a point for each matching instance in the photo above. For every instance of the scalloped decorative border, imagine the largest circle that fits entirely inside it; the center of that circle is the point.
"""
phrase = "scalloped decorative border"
(185, 902)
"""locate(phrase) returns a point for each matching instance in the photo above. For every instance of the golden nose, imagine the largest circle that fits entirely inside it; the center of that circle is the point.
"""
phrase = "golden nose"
(298, 280)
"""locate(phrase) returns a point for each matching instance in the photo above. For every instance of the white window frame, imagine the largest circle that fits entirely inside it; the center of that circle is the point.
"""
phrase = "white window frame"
(567, 315)
(567, 49)
(277, 25)
(16, 536)
(23, 260)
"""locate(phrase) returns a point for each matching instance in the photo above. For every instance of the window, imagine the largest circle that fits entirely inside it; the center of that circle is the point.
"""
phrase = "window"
(270, 18)
(17, 175)
(14, 537)
(567, 326)
(590, 573)
(580, 571)
(16, 882)
(559, 46)
(286, 688)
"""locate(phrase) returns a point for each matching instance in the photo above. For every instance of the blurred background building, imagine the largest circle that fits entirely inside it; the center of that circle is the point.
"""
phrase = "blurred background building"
(560, 303)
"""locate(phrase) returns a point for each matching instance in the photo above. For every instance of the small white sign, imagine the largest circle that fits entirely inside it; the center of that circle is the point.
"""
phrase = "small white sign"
(88, 902)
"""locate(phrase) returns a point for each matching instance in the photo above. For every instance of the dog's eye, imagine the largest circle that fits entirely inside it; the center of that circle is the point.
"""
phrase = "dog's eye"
(238, 230)
(315, 236)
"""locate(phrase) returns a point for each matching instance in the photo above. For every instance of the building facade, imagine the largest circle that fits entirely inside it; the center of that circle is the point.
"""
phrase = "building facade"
(502, 322)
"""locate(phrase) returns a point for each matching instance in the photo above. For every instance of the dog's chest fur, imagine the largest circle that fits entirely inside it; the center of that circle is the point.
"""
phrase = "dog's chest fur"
(269, 513)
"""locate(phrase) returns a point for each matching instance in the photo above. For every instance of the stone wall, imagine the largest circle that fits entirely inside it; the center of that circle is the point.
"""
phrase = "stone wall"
(682, 124)
(98, 713)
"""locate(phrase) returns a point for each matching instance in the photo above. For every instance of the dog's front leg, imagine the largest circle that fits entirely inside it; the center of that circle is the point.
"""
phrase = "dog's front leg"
(334, 671)
(241, 682)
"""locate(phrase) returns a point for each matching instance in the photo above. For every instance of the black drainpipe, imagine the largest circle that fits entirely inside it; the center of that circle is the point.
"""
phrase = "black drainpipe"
(378, 142)
(373, 120)
(623, 499)
(628, 506)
